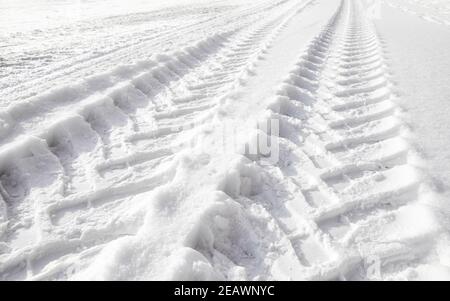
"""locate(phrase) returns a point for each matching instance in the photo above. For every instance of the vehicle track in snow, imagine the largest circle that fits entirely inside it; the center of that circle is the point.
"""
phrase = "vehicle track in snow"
(77, 178)
(345, 192)
(137, 43)
(365, 158)
(69, 166)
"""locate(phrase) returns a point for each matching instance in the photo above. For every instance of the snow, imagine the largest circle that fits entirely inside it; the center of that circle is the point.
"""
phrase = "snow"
(224, 140)
(421, 72)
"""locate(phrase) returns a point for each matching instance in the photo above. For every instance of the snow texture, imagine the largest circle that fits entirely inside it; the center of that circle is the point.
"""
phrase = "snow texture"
(114, 127)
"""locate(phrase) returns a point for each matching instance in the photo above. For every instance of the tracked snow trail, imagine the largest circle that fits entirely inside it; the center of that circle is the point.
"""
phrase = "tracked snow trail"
(122, 175)
(351, 163)
(343, 200)
(75, 156)
(59, 56)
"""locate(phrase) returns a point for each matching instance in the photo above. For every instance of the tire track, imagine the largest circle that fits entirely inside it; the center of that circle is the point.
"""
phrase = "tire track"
(110, 151)
(79, 68)
(343, 195)
(372, 178)
(345, 189)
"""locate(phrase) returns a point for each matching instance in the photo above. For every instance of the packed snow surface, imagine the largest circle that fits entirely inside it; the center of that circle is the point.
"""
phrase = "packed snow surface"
(224, 140)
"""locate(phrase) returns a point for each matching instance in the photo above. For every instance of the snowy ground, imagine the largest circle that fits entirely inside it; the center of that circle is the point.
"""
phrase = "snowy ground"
(133, 140)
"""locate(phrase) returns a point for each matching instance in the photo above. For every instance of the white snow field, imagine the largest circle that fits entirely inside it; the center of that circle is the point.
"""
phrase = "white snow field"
(130, 140)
